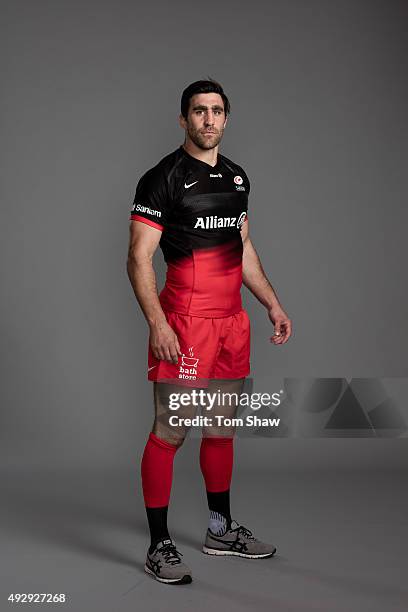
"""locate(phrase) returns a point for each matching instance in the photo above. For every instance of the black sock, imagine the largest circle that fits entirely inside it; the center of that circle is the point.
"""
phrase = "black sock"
(220, 502)
(157, 518)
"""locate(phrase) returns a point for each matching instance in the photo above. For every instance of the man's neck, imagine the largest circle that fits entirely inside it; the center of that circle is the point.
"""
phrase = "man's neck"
(209, 156)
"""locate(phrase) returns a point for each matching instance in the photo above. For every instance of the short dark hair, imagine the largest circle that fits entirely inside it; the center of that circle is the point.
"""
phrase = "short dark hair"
(208, 86)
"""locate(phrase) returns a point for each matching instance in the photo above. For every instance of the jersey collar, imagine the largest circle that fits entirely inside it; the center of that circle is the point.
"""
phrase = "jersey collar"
(200, 162)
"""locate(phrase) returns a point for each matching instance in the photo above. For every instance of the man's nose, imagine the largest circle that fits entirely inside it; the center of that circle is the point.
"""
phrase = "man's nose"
(209, 118)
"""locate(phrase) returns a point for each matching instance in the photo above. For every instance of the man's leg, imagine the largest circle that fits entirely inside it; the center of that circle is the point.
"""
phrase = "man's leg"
(217, 451)
(163, 559)
(158, 458)
(224, 535)
(199, 343)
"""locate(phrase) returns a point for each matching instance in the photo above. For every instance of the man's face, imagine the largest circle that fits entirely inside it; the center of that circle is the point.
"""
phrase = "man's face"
(206, 120)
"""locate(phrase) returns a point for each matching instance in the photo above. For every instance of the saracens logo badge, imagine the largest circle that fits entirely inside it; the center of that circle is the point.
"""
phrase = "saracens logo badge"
(238, 180)
(241, 219)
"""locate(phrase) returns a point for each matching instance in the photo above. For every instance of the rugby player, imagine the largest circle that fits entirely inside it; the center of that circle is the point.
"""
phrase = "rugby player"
(194, 204)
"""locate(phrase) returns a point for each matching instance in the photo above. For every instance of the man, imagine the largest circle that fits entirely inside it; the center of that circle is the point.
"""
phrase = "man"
(194, 204)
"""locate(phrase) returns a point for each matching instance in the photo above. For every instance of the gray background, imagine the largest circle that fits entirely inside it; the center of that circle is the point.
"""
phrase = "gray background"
(90, 100)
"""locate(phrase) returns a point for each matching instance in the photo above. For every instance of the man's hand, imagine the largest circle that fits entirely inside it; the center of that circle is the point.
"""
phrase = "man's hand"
(164, 342)
(282, 324)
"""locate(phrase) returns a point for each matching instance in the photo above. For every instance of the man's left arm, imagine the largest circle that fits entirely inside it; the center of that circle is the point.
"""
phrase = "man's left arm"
(255, 279)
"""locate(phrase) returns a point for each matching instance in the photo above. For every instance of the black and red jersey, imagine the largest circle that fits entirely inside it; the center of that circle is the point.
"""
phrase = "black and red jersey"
(200, 210)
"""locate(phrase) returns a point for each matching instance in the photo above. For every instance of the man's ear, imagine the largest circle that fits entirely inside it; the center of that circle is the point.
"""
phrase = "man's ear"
(182, 121)
(225, 122)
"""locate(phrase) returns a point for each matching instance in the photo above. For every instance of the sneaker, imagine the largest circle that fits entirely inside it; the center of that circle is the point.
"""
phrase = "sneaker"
(165, 565)
(239, 541)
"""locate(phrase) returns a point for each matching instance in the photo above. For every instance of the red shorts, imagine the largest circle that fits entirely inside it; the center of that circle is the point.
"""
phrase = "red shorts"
(211, 348)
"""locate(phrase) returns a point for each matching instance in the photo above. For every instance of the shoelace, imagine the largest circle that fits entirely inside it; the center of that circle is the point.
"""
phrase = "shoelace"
(170, 553)
(245, 532)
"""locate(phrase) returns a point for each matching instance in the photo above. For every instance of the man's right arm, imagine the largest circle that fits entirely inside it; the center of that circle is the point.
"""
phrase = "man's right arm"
(143, 242)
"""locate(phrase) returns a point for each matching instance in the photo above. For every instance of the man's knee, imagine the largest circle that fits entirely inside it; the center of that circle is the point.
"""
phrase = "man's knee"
(169, 436)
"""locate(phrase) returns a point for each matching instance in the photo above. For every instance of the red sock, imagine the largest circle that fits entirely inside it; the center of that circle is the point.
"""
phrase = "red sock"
(157, 471)
(216, 461)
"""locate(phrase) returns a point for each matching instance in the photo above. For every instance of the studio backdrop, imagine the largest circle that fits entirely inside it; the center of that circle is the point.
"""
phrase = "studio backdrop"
(90, 101)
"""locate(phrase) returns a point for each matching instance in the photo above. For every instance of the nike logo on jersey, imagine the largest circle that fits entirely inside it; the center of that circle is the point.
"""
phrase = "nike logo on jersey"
(190, 185)
(148, 369)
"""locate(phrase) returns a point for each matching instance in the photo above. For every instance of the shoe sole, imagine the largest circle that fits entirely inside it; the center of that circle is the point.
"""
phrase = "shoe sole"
(214, 551)
(186, 579)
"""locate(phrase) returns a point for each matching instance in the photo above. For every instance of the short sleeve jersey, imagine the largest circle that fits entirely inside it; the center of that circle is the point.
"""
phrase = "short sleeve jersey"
(200, 210)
